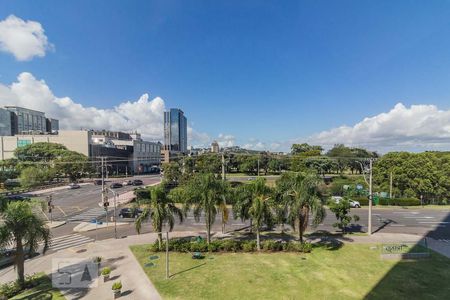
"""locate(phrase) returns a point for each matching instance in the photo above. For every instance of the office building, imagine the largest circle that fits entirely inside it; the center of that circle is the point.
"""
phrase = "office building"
(175, 131)
(18, 120)
(124, 153)
(215, 147)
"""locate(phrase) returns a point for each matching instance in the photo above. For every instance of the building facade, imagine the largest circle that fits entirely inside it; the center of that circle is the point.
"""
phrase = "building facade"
(18, 120)
(175, 131)
(215, 147)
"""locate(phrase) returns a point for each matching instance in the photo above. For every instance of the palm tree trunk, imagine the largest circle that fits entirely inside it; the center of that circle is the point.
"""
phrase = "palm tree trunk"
(20, 262)
(251, 225)
(208, 227)
(258, 242)
(160, 239)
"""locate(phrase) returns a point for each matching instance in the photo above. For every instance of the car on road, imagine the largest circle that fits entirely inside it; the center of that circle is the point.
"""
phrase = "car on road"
(73, 186)
(127, 182)
(98, 182)
(128, 212)
(17, 197)
(7, 256)
(116, 185)
(353, 203)
(251, 178)
(137, 182)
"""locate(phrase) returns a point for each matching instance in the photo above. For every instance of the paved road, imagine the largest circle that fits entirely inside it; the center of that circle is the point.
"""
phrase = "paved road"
(70, 203)
(430, 222)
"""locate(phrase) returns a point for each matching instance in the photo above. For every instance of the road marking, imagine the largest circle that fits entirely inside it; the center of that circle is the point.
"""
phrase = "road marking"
(67, 241)
(444, 240)
(238, 224)
(58, 207)
(419, 218)
(203, 224)
(398, 225)
(434, 222)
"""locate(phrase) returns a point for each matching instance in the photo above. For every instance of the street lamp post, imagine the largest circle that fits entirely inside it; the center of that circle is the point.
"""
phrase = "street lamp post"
(369, 222)
(115, 216)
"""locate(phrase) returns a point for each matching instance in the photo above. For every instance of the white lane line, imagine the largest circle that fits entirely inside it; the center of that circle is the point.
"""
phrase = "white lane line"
(397, 225)
(73, 244)
(434, 222)
(419, 217)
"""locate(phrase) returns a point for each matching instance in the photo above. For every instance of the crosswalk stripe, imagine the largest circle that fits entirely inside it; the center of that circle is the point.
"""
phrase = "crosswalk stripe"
(67, 241)
(74, 243)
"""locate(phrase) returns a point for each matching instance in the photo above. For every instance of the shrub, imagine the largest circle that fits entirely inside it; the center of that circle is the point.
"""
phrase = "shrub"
(9, 289)
(116, 286)
(155, 247)
(271, 245)
(106, 271)
(306, 247)
(248, 246)
(97, 259)
(179, 245)
(400, 201)
(362, 200)
(200, 246)
(214, 246)
(230, 245)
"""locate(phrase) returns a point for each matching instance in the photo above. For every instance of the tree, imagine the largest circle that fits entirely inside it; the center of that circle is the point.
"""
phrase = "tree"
(306, 148)
(209, 163)
(341, 209)
(260, 209)
(172, 172)
(71, 164)
(38, 152)
(34, 176)
(25, 230)
(161, 210)
(300, 191)
(205, 193)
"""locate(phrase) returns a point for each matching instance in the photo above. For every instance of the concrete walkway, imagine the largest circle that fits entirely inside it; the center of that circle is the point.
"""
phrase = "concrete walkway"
(116, 255)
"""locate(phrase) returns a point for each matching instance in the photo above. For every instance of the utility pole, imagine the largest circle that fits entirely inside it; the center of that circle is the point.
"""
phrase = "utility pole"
(50, 208)
(390, 187)
(223, 166)
(167, 255)
(258, 167)
(370, 198)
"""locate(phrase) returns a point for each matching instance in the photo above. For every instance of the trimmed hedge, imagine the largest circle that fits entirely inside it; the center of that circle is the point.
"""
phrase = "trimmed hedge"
(186, 245)
(386, 201)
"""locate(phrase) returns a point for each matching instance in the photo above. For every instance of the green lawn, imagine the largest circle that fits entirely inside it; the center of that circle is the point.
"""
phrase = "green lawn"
(44, 291)
(354, 271)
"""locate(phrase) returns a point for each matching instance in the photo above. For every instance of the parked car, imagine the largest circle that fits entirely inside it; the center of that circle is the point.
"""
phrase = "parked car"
(137, 182)
(7, 256)
(98, 182)
(129, 212)
(353, 203)
(116, 185)
(127, 182)
(73, 186)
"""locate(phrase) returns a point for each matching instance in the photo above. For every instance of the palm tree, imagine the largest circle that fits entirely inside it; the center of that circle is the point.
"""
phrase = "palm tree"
(24, 230)
(205, 194)
(161, 209)
(253, 203)
(302, 198)
(260, 210)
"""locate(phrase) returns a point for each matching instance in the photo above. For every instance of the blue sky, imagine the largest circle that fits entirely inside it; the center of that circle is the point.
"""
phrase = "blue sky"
(267, 72)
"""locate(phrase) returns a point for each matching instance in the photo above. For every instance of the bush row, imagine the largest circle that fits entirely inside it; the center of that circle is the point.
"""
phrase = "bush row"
(185, 245)
(11, 289)
(387, 201)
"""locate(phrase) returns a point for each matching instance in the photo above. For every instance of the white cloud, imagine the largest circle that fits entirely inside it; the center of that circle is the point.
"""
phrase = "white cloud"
(23, 39)
(142, 115)
(419, 127)
(226, 140)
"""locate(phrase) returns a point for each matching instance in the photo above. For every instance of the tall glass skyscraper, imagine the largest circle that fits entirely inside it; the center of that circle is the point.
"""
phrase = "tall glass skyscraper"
(175, 130)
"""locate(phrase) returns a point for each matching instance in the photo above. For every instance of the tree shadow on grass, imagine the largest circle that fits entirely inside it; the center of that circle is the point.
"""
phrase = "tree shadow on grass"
(187, 270)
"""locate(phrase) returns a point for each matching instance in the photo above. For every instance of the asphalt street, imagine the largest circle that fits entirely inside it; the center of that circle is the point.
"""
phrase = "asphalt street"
(434, 223)
(68, 202)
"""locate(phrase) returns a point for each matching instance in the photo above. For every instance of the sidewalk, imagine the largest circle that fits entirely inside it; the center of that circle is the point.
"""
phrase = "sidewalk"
(116, 255)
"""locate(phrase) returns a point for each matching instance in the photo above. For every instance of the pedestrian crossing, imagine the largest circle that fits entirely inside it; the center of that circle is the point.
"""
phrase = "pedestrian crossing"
(88, 215)
(67, 241)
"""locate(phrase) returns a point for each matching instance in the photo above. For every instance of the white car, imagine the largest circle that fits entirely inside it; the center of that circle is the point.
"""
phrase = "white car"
(128, 182)
(73, 186)
(353, 203)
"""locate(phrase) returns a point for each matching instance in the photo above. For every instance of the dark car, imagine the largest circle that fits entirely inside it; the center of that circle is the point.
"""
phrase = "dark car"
(7, 256)
(98, 182)
(137, 182)
(129, 212)
(17, 197)
(116, 185)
